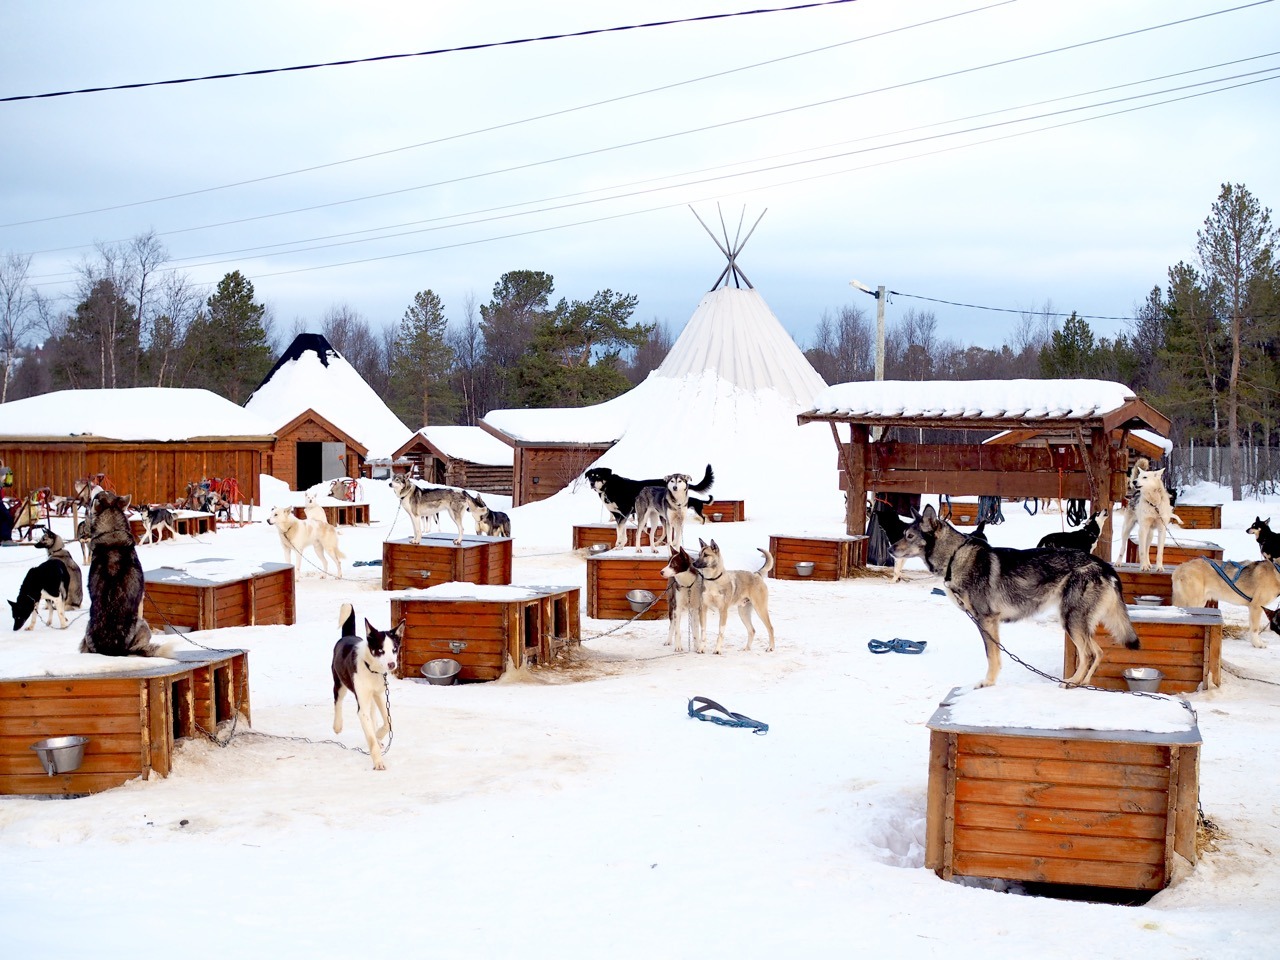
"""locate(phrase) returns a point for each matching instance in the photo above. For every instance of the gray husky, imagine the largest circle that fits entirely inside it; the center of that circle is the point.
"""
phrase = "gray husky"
(995, 585)
(116, 585)
(58, 551)
(423, 503)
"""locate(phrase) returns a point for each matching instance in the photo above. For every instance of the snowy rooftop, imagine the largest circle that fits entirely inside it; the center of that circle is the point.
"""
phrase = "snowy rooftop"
(471, 444)
(311, 375)
(138, 414)
(973, 399)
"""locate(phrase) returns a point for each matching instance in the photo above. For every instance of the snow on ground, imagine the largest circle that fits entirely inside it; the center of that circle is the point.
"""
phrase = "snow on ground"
(577, 811)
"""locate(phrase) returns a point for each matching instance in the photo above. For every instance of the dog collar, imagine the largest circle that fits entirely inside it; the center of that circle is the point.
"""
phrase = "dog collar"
(716, 577)
(370, 669)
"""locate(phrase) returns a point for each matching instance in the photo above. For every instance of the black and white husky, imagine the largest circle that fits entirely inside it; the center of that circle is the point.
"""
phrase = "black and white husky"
(362, 666)
(995, 585)
(48, 582)
(423, 503)
(156, 521)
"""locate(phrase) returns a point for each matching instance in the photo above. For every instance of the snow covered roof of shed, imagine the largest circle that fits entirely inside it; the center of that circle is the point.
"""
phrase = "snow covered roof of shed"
(312, 375)
(133, 414)
(472, 444)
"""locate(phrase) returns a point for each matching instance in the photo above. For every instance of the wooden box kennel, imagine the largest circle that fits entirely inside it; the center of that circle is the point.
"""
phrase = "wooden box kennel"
(1136, 582)
(188, 523)
(1184, 644)
(342, 514)
(587, 535)
(132, 718)
(478, 559)
(1101, 808)
(1200, 516)
(1174, 552)
(961, 513)
(833, 558)
(210, 593)
(724, 511)
(612, 575)
(488, 629)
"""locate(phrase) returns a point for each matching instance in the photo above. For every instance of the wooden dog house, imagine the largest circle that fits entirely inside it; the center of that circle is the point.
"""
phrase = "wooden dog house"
(1199, 516)
(211, 593)
(612, 575)
(1088, 807)
(485, 628)
(132, 718)
(1048, 439)
(478, 559)
(1175, 551)
(587, 535)
(833, 557)
(1184, 644)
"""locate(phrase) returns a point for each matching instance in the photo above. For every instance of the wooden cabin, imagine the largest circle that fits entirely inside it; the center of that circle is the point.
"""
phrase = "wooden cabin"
(310, 448)
(467, 457)
(1048, 439)
(542, 468)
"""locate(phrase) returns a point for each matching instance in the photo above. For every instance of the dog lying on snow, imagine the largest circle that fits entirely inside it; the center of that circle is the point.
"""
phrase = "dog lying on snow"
(362, 667)
(296, 535)
(724, 589)
(995, 585)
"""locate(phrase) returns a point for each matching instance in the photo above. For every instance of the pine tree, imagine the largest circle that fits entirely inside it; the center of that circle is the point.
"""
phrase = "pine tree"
(421, 363)
(227, 346)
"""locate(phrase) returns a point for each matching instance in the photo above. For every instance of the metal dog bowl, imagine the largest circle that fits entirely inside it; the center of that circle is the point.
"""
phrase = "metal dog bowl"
(599, 548)
(804, 568)
(1143, 679)
(1148, 600)
(441, 672)
(640, 600)
(717, 517)
(60, 754)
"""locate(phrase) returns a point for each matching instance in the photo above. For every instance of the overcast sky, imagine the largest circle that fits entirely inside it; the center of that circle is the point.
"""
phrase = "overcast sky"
(886, 141)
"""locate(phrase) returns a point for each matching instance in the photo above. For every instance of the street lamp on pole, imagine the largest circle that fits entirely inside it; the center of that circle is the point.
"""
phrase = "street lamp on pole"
(878, 293)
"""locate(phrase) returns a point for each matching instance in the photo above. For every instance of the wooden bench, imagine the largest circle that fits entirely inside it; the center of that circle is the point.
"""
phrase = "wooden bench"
(1174, 553)
(587, 535)
(833, 558)
(478, 559)
(1200, 516)
(211, 593)
(485, 628)
(344, 514)
(611, 575)
(1087, 807)
(1184, 644)
(724, 511)
(131, 717)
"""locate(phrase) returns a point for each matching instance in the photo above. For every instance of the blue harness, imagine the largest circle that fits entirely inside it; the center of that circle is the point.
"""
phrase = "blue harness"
(1230, 579)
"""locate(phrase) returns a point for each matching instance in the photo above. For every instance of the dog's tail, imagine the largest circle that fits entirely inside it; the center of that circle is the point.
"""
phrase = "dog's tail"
(705, 483)
(768, 562)
(1116, 617)
(347, 620)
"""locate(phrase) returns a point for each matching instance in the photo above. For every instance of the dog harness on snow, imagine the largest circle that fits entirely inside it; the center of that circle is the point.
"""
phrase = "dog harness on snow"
(730, 719)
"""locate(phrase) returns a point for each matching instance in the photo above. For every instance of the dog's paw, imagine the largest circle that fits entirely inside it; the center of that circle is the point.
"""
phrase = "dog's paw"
(379, 765)
(1258, 642)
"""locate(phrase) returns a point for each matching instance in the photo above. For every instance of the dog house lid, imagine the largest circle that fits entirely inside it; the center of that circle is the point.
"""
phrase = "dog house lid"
(210, 570)
(457, 590)
(1191, 616)
(1176, 539)
(1045, 710)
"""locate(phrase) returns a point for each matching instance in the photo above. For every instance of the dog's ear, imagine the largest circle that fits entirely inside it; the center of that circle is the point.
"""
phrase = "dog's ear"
(929, 514)
(398, 632)
(702, 544)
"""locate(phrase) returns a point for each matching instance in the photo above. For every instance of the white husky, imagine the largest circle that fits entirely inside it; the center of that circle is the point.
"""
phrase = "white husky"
(297, 535)
(1153, 513)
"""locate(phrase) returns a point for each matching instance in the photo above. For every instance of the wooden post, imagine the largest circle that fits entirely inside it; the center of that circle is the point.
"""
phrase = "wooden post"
(854, 459)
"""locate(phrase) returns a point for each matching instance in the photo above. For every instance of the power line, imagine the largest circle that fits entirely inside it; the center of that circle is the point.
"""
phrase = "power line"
(430, 53)
(696, 130)
(507, 125)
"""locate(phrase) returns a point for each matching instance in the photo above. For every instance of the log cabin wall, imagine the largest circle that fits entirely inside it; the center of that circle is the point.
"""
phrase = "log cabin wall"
(541, 472)
(148, 472)
(285, 461)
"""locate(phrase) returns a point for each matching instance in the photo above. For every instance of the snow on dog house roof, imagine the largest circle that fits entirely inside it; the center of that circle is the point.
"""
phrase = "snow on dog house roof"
(471, 444)
(987, 404)
(137, 414)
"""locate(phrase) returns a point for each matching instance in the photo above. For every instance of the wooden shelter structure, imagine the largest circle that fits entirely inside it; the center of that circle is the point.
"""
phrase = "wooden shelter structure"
(310, 448)
(1058, 439)
(147, 442)
(468, 457)
(542, 468)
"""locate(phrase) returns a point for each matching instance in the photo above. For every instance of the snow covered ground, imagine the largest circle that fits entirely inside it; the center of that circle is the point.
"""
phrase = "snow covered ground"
(577, 811)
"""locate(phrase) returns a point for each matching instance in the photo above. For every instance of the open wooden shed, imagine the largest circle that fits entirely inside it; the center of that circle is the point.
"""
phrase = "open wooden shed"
(1062, 439)
(310, 448)
(147, 442)
(542, 468)
(467, 457)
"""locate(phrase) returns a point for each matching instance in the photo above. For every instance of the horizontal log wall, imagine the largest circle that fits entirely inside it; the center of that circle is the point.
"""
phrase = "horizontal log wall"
(1188, 651)
(609, 579)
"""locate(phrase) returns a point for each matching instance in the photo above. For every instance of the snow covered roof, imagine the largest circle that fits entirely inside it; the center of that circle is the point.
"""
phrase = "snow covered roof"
(312, 375)
(978, 400)
(133, 414)
(599, 424)
(472, 444)
(734, 333)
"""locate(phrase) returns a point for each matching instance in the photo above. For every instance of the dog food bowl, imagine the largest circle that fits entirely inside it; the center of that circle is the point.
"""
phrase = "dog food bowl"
(1143, 679)
(804, 568)
(1147, 600)
(717, 517)
(441, 672)
(60, 754)
(598, 548)
(640, 600)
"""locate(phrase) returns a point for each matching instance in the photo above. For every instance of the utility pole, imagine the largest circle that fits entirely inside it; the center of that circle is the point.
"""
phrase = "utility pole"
(878, 293)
